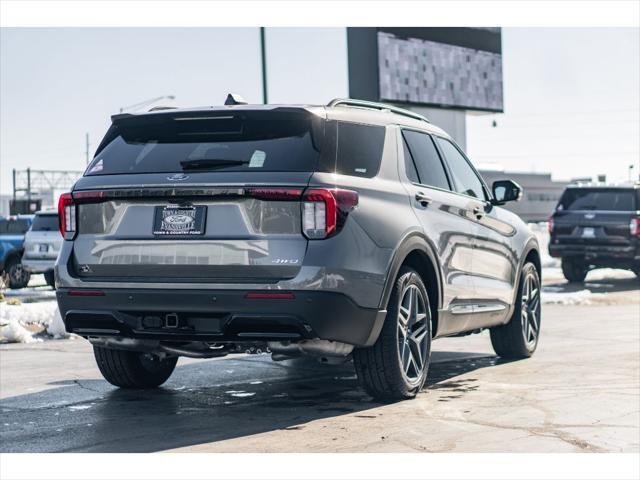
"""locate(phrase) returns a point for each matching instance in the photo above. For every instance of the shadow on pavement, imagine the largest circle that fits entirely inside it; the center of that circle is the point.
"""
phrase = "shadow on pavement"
(202, 403)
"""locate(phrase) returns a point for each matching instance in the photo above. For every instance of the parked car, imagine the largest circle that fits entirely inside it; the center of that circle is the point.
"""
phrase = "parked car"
(12, 230)
(353, 230)
(596, 226)
(41, 245)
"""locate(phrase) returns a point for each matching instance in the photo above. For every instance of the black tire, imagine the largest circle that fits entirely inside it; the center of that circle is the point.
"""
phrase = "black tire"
(512, 340)
(574, 270)
(127, 369)
(380, 367)
(14, 275)
(50, 279)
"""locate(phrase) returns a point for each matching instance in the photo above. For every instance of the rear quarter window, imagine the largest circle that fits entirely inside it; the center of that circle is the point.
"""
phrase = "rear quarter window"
(359, 149)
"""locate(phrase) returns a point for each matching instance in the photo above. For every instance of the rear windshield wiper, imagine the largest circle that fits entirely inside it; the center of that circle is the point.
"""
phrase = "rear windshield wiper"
(210, 163)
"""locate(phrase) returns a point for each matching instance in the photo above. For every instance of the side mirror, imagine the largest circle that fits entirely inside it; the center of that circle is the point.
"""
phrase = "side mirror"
(506, 191)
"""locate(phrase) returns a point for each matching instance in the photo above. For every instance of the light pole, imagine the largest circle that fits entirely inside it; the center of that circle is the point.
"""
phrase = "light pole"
(263, 55)
(144, 103)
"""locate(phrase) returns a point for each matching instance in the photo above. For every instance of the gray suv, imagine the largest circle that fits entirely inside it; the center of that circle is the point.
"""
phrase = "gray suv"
(354, 230)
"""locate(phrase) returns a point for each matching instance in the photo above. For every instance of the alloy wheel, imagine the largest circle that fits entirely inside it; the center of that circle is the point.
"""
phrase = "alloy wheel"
(413, 328)
(530, 309)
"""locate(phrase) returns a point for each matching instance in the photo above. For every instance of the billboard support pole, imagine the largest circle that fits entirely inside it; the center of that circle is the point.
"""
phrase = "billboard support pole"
(263, 54)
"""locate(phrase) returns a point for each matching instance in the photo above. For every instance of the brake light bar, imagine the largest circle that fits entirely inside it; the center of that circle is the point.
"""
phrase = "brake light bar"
(284, 194)
(324, 211)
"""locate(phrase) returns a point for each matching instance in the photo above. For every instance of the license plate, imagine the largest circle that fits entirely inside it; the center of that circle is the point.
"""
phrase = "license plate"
(43, 248)
(176, 221)
(588, 232)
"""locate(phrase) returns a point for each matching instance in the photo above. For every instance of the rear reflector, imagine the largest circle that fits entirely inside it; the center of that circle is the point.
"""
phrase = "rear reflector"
(85, 293)
(282, 296)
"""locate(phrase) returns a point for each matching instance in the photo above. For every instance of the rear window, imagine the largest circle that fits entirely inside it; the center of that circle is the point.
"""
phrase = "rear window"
(45, 223)
(617, 200)
(239, 141)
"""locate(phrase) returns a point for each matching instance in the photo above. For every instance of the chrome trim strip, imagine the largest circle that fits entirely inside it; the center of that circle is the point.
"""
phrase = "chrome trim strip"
(477, 308)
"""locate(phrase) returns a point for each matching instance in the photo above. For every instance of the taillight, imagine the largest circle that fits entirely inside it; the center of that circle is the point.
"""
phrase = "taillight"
(550, 224)
(67, 216)
(634, 227)
(283, 194)
(324, 210)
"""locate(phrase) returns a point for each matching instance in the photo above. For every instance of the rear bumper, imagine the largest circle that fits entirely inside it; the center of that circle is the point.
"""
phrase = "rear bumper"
(38, 265)
(622, 252)
(218, 315)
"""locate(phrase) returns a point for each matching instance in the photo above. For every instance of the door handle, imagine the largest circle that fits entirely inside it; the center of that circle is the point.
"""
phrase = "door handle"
(423, 199)
(479, 212)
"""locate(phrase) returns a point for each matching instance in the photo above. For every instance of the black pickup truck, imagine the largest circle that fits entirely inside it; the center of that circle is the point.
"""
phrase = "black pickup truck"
(595, 227)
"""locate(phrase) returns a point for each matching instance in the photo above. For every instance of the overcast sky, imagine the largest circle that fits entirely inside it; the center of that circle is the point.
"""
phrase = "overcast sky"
(572, 95)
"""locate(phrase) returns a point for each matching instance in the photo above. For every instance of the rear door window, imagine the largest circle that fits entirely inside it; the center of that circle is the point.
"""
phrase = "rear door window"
(614, 200)
(427, 160)
(45, 223)
(240, 141)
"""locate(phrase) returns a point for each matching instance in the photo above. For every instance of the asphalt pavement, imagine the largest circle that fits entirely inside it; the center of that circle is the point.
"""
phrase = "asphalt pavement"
(579, 393)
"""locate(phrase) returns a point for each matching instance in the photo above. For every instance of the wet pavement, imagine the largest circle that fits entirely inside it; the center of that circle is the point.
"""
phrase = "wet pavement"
(580, 392)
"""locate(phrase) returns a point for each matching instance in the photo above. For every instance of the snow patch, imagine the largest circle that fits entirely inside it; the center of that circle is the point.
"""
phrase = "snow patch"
(243, 394)
(15, 320)
(555, 296)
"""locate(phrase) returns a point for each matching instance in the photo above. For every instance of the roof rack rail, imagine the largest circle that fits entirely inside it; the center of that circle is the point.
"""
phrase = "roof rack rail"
(161, 107)
(376, 106)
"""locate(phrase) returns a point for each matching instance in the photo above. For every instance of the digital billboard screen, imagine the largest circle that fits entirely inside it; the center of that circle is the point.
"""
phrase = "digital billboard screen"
(443, 67)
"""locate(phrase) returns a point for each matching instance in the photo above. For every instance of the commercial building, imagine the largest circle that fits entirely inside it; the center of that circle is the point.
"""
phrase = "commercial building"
(541, 193)
(444, 74)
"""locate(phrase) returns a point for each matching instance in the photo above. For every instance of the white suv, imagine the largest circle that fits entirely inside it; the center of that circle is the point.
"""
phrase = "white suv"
(42, 244)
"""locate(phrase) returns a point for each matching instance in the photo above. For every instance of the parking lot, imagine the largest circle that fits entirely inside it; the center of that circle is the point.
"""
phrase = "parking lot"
(579, 393)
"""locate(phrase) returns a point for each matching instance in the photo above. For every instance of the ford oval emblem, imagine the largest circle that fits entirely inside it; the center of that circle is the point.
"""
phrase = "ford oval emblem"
(178, 177)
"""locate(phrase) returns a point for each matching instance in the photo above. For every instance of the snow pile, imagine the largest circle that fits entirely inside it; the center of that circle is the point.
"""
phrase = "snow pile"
(15, 321)
(557, 296)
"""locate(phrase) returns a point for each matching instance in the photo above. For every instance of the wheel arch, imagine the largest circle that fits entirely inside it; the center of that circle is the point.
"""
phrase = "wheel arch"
(417, 252)
(530, 253)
